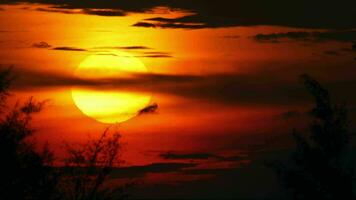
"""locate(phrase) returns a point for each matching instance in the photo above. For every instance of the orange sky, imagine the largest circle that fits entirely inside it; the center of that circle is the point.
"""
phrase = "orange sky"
(184, 122)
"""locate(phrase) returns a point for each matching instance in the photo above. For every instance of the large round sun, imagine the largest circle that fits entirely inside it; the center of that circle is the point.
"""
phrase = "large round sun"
(108, 106)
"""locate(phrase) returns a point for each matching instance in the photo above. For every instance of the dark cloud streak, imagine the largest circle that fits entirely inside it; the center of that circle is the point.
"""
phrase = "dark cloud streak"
(104, 12)
(200, 156)
(43, 45)
(140, 171)
(220, 88)
(314, 36)
(139, 51)
(152, 108)
(180, 156)
(98, 12)
(124, 47)
(68, 49)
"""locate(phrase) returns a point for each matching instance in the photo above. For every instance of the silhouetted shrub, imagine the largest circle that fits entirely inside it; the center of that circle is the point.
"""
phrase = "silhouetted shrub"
(87, 167)
(27, 174)
(322, 166)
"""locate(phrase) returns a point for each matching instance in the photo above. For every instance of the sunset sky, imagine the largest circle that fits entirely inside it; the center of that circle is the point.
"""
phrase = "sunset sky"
(224, 75)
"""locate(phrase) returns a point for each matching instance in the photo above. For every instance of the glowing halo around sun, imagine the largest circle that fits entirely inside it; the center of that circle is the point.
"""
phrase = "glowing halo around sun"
(104, 105)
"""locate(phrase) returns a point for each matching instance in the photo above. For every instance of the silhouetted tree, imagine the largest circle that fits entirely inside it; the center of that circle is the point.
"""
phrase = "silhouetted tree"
(322, 166)
(27, 174)
(86, 169)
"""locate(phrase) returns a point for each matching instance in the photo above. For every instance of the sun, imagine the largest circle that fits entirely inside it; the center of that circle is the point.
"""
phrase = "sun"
(109, 106)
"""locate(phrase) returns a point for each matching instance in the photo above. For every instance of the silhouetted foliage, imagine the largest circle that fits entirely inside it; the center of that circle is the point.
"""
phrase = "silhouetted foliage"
(5, 81)
(86, 168)
(322, 166)
(27, 174)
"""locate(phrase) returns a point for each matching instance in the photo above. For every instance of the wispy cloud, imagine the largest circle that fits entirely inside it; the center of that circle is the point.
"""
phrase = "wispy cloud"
(89, 11)
(312, 36)
(152, 108)
(140, 171)
(44, 45)
(200, 156)
(185, 156)
(138, 51)
(68, 49)
(104, 12)
(124, 47)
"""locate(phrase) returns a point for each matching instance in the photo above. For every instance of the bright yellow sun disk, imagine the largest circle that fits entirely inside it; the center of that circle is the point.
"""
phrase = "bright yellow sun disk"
(109, 106)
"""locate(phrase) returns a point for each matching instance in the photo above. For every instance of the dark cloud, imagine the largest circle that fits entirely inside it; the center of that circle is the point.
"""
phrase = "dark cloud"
(27, 78)
(140, 171)
(200, 156)
(55, 10)
(104, 12)
(68, 49)
(220, 88)
(301, 14)
(106, 54)
(155, 54)
(195, 21)
(275, 37)
(224, 183)
(65, 48)
(99, 12)
(225, 13)
(44, 45)
(135, 47)
(139, 51)
(182, 156)
(124, 47)
(144, 24)
(152, 108)
(314, 36)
